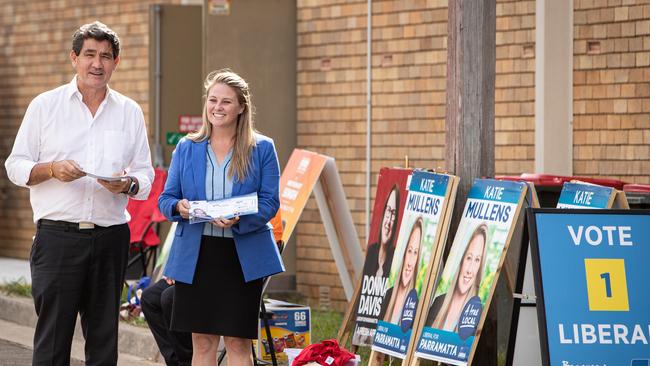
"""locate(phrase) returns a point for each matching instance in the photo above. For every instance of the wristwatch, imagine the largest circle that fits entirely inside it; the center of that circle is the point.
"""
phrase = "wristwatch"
(133, 187)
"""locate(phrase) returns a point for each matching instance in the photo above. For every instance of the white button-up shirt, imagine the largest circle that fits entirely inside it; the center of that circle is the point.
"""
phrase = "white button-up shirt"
(59, 126)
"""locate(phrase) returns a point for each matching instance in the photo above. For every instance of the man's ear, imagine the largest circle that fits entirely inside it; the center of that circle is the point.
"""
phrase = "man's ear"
(117, 60)
(73, 58)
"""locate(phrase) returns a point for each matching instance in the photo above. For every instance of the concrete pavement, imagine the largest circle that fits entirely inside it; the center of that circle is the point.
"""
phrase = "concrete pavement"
(13, 354)
(12, 269)
(16, 348)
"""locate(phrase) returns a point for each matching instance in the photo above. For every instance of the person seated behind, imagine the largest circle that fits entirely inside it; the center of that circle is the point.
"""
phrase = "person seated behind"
(157, 301)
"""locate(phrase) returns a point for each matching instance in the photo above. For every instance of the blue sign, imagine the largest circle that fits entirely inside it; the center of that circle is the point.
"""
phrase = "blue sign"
(454, 312)
(591, 272)
(582, 195)
(417, 244)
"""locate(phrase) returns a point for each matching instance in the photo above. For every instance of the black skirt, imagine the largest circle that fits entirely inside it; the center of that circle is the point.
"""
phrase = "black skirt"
(218, 301)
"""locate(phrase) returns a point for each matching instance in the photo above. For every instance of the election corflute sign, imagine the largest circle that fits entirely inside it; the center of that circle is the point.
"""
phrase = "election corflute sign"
(456, 311)
(591, 274)
(390, 199)
(420, 240)
(586, 195)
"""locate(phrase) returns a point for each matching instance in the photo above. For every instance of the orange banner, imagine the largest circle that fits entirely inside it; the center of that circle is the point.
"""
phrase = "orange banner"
(296, 183)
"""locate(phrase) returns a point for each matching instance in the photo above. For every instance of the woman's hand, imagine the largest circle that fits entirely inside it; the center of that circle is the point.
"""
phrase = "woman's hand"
(183, 208)
(225, 223)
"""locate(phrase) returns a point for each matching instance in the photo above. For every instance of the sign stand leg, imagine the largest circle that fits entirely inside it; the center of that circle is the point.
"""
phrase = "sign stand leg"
(521, 271)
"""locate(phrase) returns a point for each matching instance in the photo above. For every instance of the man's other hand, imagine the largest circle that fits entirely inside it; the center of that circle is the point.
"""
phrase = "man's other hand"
(116, 186)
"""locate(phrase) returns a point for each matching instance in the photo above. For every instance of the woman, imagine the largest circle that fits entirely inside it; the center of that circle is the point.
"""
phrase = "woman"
(446, 309)
(408, 274)
(225, 158)
(379, 255)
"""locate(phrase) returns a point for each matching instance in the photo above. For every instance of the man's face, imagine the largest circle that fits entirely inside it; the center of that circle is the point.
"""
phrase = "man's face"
(94, 65)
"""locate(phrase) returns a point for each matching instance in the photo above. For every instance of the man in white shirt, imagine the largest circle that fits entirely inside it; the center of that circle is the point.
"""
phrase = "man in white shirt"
(81, 245)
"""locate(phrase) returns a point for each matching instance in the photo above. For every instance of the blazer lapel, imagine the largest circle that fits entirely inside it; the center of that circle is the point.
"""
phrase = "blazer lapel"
(198, 161)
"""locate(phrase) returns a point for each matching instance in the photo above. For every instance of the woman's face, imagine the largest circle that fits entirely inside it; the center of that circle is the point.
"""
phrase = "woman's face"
(470, 264)
(390, 216)
(411, 256)
(222, 106)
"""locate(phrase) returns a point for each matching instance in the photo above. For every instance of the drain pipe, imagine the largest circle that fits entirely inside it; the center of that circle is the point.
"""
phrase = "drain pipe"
(157, 150)
(368, 115)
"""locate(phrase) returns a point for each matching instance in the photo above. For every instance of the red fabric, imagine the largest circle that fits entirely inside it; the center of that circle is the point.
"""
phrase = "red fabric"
(143, 213)
(326, 353)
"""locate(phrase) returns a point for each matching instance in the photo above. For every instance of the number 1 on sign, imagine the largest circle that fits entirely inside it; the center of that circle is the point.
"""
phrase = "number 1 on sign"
(608, 285)
(613, 295)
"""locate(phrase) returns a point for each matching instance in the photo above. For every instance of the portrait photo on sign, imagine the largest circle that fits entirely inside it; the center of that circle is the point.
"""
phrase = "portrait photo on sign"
(461, 282)
(390, 199)
(410, 265)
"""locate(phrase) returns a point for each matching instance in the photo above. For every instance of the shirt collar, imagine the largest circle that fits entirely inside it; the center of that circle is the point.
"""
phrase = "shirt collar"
(73, 89)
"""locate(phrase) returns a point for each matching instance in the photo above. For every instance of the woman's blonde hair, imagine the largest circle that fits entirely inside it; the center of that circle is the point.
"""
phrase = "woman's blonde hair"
(418, 224)
(440, 319)
(245, 133)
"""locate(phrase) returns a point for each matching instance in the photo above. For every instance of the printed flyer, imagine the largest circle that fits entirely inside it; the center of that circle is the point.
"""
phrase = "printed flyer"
(416, 246)
(456, 309)
(390, 200)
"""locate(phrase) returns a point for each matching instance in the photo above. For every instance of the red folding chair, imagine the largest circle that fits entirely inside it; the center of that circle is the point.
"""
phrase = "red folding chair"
(144, 216)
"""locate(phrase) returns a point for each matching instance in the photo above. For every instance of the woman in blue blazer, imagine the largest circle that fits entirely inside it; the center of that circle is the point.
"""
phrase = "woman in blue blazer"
(218, 282)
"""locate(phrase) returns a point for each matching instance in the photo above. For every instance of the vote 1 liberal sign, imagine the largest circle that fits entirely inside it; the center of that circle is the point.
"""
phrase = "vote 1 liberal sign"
(591, 279)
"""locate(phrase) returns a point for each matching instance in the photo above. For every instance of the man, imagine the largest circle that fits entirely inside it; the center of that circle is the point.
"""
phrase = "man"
(81, 245)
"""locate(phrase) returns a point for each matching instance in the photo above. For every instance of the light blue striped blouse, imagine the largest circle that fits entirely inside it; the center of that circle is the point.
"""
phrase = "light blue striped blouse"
(217, 185)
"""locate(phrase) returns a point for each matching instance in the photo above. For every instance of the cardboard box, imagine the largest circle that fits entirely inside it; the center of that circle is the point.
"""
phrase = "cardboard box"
(290, 328)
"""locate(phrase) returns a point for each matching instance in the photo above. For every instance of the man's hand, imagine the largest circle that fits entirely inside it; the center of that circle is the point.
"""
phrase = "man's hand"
(116, 186)
(225, 223)
(66, 170)
(183, 208)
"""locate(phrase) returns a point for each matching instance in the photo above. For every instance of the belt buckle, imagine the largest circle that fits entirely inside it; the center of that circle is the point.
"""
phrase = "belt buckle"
(86, 225)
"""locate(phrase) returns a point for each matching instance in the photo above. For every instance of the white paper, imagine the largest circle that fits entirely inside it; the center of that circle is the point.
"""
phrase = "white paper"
(203, 211)
(110, 179)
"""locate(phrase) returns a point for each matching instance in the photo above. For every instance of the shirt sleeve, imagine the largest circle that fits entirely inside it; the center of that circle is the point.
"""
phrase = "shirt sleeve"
(140, 166)
(25, 153)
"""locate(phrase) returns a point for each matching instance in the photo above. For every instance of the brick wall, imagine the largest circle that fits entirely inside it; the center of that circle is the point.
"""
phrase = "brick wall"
(34, 45)
(612, 89)
(514, 93)
(409, 56)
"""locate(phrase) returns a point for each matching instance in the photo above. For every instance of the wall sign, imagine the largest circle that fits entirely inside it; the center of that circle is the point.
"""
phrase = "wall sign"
(189, 123)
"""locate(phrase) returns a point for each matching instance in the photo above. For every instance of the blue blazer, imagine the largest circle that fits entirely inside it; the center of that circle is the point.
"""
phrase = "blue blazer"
(252, 234)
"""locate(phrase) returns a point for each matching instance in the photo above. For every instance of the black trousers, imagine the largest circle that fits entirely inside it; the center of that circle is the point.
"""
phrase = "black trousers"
(77, 272)
(157, 301)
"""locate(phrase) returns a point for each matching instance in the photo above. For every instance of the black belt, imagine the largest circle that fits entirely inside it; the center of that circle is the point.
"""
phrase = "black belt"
(69, 226)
